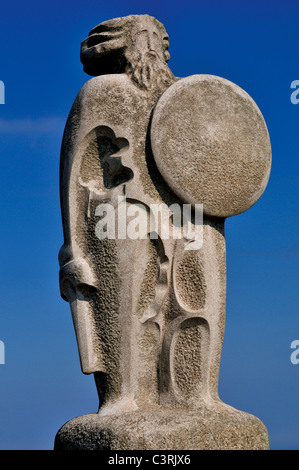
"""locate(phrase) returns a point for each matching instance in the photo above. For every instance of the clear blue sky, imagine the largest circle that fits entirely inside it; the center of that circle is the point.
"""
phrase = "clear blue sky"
(252, 43)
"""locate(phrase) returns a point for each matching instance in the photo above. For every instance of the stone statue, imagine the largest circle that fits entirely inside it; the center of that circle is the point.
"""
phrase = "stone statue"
(149, 308)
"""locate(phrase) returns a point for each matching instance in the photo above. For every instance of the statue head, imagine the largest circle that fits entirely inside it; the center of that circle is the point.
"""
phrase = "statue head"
(135, 44)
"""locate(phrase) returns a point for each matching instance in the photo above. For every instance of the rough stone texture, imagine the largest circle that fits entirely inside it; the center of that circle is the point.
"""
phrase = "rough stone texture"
(149, 312)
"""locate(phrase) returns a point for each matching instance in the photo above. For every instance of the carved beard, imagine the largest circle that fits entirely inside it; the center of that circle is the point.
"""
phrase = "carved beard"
(149, 71)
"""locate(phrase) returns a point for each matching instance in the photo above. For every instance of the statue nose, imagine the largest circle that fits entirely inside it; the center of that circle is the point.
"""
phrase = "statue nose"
(86, 340)
(150, 42)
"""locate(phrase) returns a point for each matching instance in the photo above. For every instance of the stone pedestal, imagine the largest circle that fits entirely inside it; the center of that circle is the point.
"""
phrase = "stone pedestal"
(218, 428)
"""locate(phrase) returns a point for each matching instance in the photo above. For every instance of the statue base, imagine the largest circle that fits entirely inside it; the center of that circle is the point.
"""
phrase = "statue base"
(212, 428)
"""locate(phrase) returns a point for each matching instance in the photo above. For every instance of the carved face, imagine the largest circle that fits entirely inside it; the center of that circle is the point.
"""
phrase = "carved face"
(146, 39)
(88, 269)
(147, 55)
(78, 287)
(114, 44)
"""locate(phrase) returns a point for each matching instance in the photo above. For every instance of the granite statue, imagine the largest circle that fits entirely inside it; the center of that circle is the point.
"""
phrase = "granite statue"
(147, 290)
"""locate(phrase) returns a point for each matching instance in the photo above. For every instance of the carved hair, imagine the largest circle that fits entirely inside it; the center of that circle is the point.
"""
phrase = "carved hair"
(105, 50)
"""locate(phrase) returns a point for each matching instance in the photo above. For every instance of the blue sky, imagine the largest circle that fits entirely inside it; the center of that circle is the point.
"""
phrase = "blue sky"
(253, 44)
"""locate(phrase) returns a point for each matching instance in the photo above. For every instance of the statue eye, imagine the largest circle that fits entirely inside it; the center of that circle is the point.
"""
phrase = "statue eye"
(85, 290)
(71, 292)
(67, 291)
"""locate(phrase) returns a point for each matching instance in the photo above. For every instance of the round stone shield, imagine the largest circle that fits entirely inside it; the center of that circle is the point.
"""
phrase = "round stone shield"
(211, 144)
